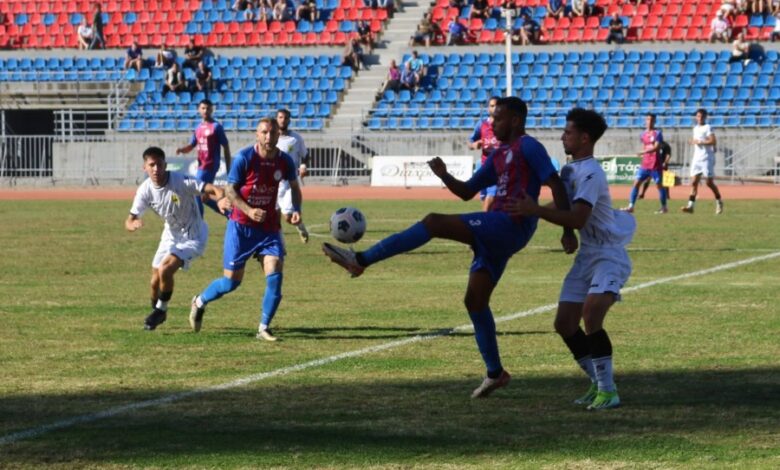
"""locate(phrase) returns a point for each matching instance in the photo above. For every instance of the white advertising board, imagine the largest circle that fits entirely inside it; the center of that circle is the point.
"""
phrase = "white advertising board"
(406, 171)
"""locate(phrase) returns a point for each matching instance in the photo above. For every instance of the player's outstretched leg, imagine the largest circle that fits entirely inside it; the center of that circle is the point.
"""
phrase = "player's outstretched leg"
(401, 242)
(196, 314)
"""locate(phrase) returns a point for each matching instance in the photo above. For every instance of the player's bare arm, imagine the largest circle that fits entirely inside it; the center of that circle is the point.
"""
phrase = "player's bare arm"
(226, 151)
(217, 194)
(456, 186)
(185, 149)
(297, 200)
(254, 213)
(133, 223)
(476, 145)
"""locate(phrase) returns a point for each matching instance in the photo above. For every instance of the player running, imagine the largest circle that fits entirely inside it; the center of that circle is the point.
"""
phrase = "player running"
(253, 229)
(520, 166)
(291, 143)
(652, 165)
(173, 197)
(703, 162)
(483, 139)
(208, 137)
(601, 267)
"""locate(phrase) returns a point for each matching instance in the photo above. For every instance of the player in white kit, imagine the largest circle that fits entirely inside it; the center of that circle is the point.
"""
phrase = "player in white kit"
(601, 266)
(291, 143)
(172, 196)
(703, 161)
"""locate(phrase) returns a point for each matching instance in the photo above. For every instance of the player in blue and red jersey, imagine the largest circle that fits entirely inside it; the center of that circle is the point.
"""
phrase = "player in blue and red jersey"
(254, 228)
(518, 167)
(653, 164)
(208, 137)
(484, 139)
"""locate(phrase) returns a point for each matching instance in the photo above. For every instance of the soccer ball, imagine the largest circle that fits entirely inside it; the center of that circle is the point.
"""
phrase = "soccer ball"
(347, 225)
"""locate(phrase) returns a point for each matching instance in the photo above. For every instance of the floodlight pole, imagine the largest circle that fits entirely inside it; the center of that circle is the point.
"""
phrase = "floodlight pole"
(508, 14)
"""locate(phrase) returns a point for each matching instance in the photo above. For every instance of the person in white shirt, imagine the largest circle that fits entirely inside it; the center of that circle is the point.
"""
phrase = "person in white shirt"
(172, 196)
(601, 267)
(291, 143)
(84, 34)
(719, 29)
(703, 161)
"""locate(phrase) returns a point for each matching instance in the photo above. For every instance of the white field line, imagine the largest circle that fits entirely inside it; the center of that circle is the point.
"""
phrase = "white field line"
(111, 412)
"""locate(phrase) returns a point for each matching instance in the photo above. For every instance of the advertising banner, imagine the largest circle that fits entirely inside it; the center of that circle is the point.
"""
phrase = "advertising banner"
(414, 171)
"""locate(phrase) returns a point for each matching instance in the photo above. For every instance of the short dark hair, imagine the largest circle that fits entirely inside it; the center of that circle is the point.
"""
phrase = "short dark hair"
(283, 110)
(515, 105)
(652, 115)
(702, 111)
(206, 101)
(154, 152)
(270, 121)
(494, 98)
(588, 121)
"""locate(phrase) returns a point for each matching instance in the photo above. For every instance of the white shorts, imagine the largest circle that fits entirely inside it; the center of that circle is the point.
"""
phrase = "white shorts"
(596, 270)
(284, 198)
(704, 167)
(183, 248)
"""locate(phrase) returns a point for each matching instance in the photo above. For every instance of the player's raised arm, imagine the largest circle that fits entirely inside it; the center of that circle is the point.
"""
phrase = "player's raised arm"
(218, 195)
(456, 186)
(133, 223)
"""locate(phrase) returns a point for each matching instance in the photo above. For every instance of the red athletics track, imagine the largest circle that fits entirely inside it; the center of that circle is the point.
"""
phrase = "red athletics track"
(329, 193)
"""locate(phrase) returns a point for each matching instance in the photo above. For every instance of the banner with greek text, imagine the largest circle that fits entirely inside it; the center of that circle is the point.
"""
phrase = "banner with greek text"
(414, 171)
(620, 169)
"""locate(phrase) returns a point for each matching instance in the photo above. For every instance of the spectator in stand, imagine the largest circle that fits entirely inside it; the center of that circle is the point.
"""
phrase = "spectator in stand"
(393, 81)
(240, 5)
(84, 34)
(742, 6)
(418, 67)
(457, 33)
(581, 8)
(174, 79)
(265, 10)
(758, 7)
(193, 54)
(740, 50)
(728, 7)
(529, 33)
(616, 30)
(556, 8)
(203, 77)
(409, 78)
(97, 28)
(250, 12)
(774, 6)
(720, 30)
(165, 57)
(134, 57)
(776, 30)
(365, 36)
(388, 5)
(425, 32)
(480, 9)
(353, 55)
(280, 11)
(307, 10)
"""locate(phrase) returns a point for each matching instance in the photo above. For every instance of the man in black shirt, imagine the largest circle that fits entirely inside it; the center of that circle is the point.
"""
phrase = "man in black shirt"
(193, 54)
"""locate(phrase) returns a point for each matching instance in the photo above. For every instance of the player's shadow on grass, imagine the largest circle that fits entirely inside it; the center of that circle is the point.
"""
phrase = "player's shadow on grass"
(366, 332)
(374, 417)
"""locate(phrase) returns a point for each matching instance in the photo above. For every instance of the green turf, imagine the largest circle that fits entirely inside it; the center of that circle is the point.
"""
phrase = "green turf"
(696, 359)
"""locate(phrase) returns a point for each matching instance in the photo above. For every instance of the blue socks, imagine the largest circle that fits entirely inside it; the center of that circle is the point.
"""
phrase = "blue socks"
(634, 195)
(485, 334)
(662, 194)
(413, 237)
(218, 288)
(272, 297)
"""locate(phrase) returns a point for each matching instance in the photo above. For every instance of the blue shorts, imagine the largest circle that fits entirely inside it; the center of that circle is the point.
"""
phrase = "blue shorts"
(206, 176)
(242, 242)
(643, 173)
(496, 239)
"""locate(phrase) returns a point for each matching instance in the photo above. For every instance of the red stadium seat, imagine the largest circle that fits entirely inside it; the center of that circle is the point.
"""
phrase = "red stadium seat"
(741, 21)
(663, 34)
(752, 33)
(485, 37)
(310, 39)
(338, 15)
(574, 35)
(339, 38)
(290, 27)
(548, 23)
(559, 35)
(590, 34)
(602, 34)
(296, 39)
(692, 34)
(380, 14)
(698, 22)
(376, 26)
(653, 22)
(593, 22)
(578, 22)
(647, 35)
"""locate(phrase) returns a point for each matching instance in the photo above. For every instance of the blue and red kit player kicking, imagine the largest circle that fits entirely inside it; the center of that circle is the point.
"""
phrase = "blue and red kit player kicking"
(208, 137)
(518, 168)
(484, 139)
(253, 229)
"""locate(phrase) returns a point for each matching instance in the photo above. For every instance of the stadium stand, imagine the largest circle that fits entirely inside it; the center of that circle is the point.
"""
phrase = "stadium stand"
(53, 24)
(624, 85)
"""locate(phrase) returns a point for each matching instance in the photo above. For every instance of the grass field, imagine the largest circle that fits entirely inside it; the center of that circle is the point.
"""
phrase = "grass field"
(696, 358)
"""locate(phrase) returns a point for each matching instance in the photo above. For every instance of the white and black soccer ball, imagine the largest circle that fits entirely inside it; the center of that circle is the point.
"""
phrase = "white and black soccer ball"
(347, 225)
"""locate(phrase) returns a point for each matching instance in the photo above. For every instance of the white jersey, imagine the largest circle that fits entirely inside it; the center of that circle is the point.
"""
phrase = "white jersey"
(292, 144)
(586, 182)
(175, 203)
(702, 152)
